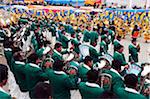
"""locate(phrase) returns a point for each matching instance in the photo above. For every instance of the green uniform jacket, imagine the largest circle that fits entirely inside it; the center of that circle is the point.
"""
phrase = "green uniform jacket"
(61, 84)
(64, 41)
(86, 36)
(93, 36)
(83, 69)
(94, 54)
(35, 43)
(119, 57)
(9, 55)
(90, 90)
(129, 93)
(19, 74)
(57, 56)
(103, 47)
(117, 81)
(4, 95)
(33, 75)
(133, 51)
(116, 44)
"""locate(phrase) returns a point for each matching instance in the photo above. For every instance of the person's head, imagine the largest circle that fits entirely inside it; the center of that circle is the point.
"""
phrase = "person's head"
(94, 43)
(88, 61)
(32, 58)
(3, 74)
(118, 38)
(58, 65)
(41, 91)
(58, 47)
(120, 48)
(116, 65)
(108, 95)
(131, 81)
(92, 76)
(134, 41)
(18, 56)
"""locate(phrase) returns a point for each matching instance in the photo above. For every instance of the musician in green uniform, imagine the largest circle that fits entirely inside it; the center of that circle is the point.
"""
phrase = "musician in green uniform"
(85, 67)
(57, 52)
(117, 80)
(19, 71)
(86, 34)
(93, 35)
(104, 44)
(33, 73)
(117, 42)
(3, 81)
(93, 52)
(60, 81)
(133, 51)
(90, 89)
(119, 56)
(130, 92)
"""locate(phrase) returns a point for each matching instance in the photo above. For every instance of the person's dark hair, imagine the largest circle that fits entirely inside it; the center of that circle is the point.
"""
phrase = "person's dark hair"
(133, 40)
(58, 65)
(3, 72)
(131, 80)
(87, 59)
(108, 95)
(118, 37)
(92, 76)
(32, 58)
(119, 47)
(41, 91)
(57, 45)
(116, 65)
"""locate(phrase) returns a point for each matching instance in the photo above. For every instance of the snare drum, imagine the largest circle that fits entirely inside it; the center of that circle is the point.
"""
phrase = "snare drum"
(135, 69)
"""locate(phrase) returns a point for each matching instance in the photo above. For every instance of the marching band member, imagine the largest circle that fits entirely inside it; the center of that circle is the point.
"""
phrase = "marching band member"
(3, 81)
(130, 91)
(117, 42)
(86, 33)
(104, 44)
(119, 57)
(85, 67)
(60, 81)
(90, 89)
(133, 51)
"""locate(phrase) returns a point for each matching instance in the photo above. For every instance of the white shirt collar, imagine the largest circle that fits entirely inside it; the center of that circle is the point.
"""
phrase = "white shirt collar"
(92, 84)
(117, 40)
(57, 52)
(34, 65)
(59, 72)
(131, 90)
(2, 90)
(86, 66)
(115, 71)
(18, 62)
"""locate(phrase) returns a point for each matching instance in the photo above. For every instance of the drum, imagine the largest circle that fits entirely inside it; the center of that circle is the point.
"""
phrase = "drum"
(134, 68)
(84, 50)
